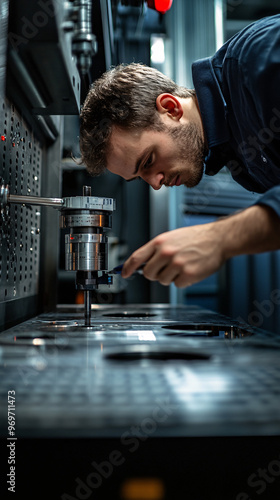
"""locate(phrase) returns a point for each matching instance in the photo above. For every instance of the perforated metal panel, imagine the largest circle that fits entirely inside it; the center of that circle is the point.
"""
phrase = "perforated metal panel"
(20, 168)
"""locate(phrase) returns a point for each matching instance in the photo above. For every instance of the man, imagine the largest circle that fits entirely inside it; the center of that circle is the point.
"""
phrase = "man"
(139, 124)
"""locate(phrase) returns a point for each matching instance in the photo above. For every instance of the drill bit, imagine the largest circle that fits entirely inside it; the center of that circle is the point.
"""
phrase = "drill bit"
(87, 299)
(118, 269)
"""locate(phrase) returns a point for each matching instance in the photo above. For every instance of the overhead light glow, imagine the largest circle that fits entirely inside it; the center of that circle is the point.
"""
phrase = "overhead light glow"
(219, 23)
(157, 50)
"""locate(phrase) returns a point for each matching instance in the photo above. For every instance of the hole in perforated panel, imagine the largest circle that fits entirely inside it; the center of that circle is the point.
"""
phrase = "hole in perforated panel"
(139, 353)
(127, 314)
(207, 330)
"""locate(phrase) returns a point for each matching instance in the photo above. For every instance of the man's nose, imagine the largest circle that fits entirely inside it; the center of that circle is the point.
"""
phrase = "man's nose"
(154, 179)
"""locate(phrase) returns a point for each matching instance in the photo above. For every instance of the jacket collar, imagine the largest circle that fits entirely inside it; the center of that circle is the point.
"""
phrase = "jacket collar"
(213, 109)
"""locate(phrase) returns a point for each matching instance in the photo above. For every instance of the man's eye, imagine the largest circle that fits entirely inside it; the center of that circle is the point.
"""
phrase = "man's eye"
(149, 161)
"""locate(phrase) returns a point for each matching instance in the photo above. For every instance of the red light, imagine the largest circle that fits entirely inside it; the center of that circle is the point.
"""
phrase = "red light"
(161, 6)
(3, 138)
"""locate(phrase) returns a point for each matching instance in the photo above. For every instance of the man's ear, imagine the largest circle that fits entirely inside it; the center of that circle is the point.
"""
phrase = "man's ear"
(168, 103)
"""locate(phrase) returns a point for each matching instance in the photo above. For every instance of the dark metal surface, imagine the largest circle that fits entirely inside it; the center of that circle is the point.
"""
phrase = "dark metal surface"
(44, 53)
(183, 397)
(218, 377)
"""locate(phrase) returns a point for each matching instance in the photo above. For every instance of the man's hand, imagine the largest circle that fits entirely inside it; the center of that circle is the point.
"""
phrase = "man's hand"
(188, 255)
(183, 256)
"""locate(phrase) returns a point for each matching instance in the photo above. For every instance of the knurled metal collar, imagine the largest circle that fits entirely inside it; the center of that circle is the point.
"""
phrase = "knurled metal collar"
(89, 203)
(85, 238)
(91, 219)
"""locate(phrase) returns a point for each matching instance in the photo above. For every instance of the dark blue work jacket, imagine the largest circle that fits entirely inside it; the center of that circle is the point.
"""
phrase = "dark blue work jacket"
(238, 91)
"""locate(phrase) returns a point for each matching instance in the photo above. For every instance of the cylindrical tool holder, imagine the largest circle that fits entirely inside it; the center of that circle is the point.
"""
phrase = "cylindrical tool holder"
(86, 246)
(86, 252)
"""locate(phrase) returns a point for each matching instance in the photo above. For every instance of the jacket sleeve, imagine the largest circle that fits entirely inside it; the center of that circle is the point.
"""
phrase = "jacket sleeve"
(271, 199)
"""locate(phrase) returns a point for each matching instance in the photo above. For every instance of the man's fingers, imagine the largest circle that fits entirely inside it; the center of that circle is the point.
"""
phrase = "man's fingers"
(136, 259)
(183, 256)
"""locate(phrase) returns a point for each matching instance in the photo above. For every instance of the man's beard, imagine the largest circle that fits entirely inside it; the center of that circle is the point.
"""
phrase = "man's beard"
(191, 151)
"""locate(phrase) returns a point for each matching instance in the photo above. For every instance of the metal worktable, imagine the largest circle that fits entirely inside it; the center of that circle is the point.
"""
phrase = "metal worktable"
(176, 391)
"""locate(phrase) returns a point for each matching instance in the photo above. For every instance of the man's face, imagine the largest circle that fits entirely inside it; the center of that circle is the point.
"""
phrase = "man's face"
(170, 157)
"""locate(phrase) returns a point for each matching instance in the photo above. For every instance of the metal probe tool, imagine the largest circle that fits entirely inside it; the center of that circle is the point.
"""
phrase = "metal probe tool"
(86, 245)
(118, 269)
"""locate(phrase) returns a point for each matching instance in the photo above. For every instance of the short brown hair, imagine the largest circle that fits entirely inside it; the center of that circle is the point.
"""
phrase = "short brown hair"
(123, 96)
